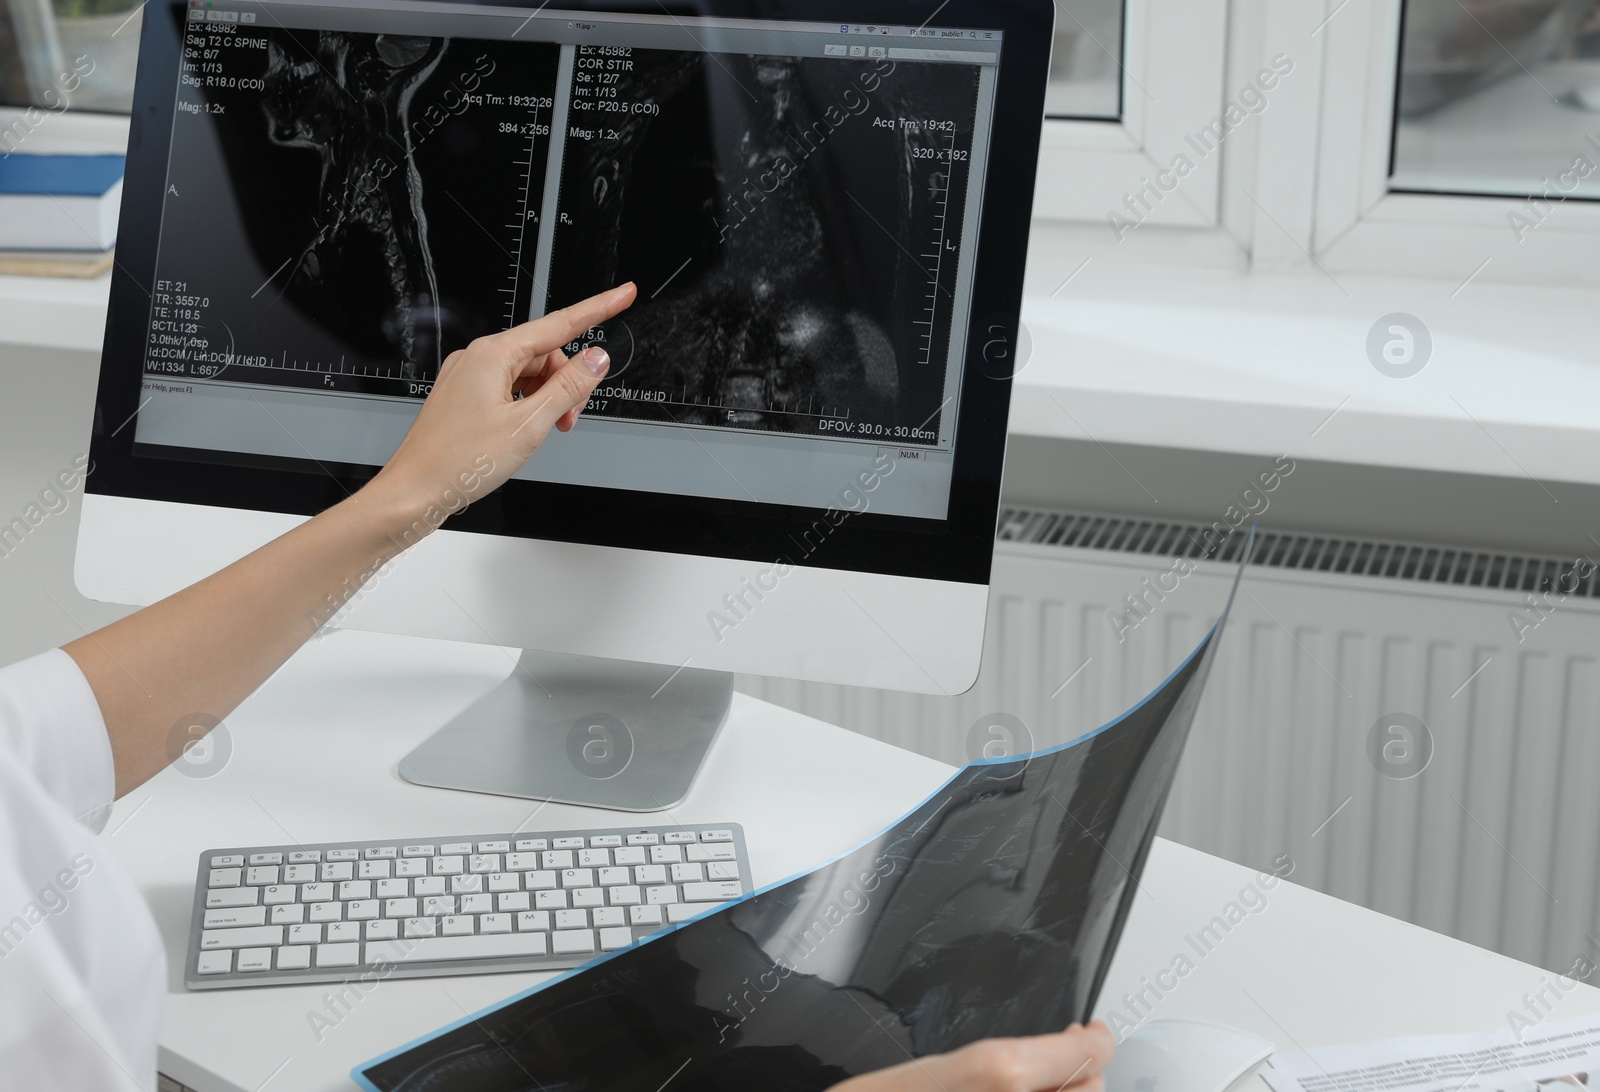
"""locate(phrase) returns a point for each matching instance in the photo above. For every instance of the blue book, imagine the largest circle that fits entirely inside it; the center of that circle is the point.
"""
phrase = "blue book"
(59, 202)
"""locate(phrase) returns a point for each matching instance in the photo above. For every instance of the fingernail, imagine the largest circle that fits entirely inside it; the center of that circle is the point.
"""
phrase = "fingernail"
(596, 360)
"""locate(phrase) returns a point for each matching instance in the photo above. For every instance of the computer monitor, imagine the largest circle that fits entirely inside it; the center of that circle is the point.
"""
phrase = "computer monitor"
(792, 469)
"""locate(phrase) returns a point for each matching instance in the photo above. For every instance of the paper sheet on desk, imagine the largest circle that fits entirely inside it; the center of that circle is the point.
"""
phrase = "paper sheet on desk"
(1550, 1057)
(994, 908)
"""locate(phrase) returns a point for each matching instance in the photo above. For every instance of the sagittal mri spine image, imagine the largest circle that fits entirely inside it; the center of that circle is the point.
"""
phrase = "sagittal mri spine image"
(344, 209)
(793, 225)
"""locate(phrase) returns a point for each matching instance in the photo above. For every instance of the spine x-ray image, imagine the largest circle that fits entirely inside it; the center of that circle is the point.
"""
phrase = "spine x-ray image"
(993, 909)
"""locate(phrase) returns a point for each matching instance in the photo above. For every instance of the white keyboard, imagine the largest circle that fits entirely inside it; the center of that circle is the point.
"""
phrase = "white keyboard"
(506, 902)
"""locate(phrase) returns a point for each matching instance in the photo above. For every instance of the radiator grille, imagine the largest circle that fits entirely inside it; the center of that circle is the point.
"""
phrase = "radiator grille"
(1305, 552)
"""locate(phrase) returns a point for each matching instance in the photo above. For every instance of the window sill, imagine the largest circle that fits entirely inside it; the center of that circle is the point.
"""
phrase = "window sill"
(1266, 365)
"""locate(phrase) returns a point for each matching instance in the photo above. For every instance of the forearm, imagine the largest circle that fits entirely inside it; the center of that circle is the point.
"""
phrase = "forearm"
(201, 652)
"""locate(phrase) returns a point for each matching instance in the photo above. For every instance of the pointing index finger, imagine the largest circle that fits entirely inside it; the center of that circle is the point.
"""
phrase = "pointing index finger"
(532, 340)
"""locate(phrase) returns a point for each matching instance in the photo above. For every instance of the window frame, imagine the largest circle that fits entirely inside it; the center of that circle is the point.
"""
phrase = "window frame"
(1361, 226)
(1088, 167)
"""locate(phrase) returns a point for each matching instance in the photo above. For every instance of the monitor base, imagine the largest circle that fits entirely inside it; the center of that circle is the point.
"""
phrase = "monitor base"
(577, 730)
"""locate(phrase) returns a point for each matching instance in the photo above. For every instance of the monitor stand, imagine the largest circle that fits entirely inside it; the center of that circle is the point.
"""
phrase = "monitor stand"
(576, 730)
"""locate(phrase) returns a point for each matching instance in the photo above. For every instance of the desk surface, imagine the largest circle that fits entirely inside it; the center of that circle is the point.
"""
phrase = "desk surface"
(314, 755)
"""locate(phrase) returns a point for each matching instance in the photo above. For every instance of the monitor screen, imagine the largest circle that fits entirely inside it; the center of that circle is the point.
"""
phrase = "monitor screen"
(826, 219)
(355, 190)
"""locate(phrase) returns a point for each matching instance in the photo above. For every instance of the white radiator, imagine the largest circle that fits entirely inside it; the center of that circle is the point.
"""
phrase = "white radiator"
(1496, 841)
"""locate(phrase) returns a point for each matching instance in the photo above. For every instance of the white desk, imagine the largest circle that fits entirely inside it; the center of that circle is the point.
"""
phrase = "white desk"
(314, 757)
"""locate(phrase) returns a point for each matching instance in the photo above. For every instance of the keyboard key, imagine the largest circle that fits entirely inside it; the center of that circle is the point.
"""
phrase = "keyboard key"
(664, 855)
(556, 858)
(628, 855)
(711, 853)
(225, 877)
(336, 871)
(355, 889)
(687, 873)
(532, 845)
(383, 929)
(577, 877)
(234, 896)
(305, 856)
(626, 896)
(661, 894)
(494, 923)
(612, 939)
(291, 914)
(608, 915)
(379, 853)
(236, 918)
(512, 901)
(722, 870)
(327, 911)
(457, 925)
(650, 873)
(683, 911)
(643, 839)
(266, 858)
(533, 921)
(465, 884)
(494, 847)
(594, 858)
(338, 955)
(214, 963)
(305, 934)
(610, 877)
(714, 891)
(572, 919)
(484, 863)
(477, 904)
(393, 889)
(449, 866)
(344, 931)
(438, 906)
(294, 959)
(566, 843)
(550, 900)
(716, 835)
(500, 946)
(679, 837)
(300, 873)
(605, 841)
(457, 848)
(361, 910)
(241, 938)
(521, 862)
(261, 875)
(280, 894)
(416, 851)
(644, 915)
(400, 908)
(504, 881)
(428, 885)
(227, 860)
(316, 892)
(539, 881)
(373, 870)
(342, 855)
(414, 866)
(572, 942)
(420, 927)
(588, 896)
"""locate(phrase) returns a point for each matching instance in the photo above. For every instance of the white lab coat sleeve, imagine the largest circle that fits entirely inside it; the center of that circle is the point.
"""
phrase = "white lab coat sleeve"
(82, 970)
(50, 724)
